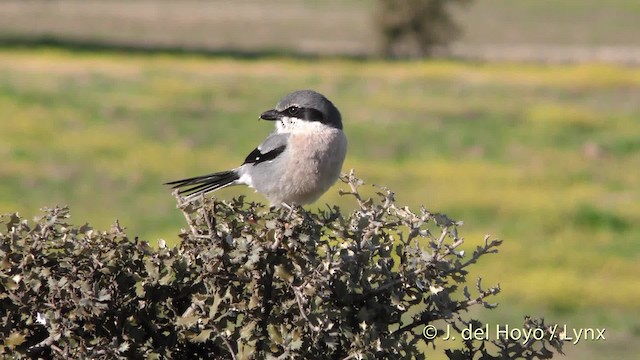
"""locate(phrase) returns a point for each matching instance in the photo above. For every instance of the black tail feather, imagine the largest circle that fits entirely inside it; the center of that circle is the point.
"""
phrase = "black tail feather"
(205, 183)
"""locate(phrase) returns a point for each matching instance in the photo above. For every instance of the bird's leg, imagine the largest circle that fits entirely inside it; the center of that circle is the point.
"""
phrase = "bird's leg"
(291, 208)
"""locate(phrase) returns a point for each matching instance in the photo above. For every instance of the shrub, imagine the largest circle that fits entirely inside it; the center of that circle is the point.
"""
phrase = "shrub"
(412, 28)
(247, 282)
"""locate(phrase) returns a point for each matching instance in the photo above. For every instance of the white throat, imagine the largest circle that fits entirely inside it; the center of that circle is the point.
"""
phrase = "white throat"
(295, 125)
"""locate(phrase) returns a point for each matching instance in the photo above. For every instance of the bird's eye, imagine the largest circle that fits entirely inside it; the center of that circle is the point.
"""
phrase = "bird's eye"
(293, 110)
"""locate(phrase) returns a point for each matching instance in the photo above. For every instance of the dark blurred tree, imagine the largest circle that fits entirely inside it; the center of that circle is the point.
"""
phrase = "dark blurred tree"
(412, 28)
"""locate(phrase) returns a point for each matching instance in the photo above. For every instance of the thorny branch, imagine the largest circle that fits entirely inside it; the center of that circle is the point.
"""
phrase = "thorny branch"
(366, 279)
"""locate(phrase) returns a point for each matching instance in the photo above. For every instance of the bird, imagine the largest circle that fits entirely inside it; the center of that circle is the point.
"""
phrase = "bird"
(297, 163)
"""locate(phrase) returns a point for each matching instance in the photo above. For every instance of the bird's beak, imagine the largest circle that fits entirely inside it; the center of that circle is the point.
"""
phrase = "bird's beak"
(271, 115)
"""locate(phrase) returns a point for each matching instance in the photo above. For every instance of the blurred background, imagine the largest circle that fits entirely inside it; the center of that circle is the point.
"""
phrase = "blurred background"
(520, 118)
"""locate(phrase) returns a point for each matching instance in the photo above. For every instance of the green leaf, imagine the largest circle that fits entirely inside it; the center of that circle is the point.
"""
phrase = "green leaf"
(139, 288)
(14, 339)
(247, 330)
(283, 273)
(104, 295)
(168, 278)
(187, 321)
(274, 334)
(203, 336)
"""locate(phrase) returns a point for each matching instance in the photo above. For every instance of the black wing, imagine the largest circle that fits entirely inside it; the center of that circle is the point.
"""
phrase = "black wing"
(257, 156)
(272, 146)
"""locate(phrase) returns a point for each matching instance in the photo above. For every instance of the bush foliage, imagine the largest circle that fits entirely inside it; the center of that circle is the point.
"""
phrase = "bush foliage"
(413, 28)
(247, 282)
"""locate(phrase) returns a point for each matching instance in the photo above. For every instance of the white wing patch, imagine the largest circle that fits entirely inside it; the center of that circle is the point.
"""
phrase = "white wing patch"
(246, 179)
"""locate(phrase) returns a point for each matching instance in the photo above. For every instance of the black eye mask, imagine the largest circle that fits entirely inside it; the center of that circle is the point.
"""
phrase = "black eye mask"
(308, 114)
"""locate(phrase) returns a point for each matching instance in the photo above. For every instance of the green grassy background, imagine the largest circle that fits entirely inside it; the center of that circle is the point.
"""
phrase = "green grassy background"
(545, 157)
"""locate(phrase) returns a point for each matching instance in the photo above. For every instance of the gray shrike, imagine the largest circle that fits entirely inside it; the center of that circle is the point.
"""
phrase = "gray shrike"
(296, 164)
